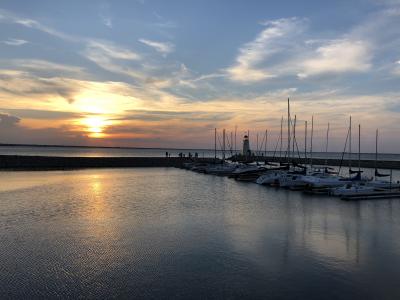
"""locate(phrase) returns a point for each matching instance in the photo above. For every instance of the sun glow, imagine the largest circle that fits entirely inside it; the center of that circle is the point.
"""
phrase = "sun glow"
(95, 125)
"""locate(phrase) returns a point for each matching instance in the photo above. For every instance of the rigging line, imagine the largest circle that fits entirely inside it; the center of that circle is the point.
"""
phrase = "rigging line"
(276, 146)
(344, 150)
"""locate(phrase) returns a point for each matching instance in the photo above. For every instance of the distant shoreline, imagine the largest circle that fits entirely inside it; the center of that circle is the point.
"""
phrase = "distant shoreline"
(156, 148)
(99, 147)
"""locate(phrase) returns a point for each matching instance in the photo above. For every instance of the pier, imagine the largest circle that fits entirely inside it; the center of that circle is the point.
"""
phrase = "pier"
(26, 162)
(381, 164)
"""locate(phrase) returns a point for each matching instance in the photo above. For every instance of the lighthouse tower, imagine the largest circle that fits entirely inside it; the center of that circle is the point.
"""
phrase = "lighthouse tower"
(246, 146)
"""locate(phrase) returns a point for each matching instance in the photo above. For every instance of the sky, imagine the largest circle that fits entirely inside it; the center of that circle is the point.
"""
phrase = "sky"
(153, 73)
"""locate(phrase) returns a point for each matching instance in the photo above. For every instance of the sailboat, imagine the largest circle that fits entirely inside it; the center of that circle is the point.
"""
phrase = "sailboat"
(377, 182)
(358, 184)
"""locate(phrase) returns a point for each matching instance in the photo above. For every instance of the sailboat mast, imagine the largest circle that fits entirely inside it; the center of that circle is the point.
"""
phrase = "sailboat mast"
(266, 141)
(223, 144)
(288, 147)
(350, 146)
(376, 150)
(359, 148)
(231, 143)
(215, 143)
(280, 149)
(305, 141)
(294, 134)
(311, 144)
(235, 139)
(257, 144)
(326, 145)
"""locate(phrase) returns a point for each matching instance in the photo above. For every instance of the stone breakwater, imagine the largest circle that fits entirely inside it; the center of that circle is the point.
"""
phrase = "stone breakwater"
(20, 162)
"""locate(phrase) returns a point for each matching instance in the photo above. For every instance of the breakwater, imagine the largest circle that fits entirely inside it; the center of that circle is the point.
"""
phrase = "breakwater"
(381, 164)
(20, 162)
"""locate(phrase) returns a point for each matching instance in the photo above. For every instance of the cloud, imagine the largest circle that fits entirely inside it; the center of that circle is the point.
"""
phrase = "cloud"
(267, 43)
(7, 120)
(163, 48)
(396, 68)
(24, 84)
(108, 56)
(107, 21)
(112, 50)
(35, 65)
(8, 17)
(338, 56)
(15, 42)
(40, 114)
(162, 115)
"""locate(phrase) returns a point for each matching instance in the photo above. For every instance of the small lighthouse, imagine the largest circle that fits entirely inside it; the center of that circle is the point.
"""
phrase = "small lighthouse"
(246, 146)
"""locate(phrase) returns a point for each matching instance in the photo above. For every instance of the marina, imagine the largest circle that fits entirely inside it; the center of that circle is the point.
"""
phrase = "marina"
(200, 150)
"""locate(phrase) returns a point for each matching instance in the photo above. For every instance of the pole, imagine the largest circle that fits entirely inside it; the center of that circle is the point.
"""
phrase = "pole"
(288, 148)
(235, 139)
(305, 141)
(294, 133)
(215, 143)
(231, 143)
(312, 136)
(359, 148)
(266, 140)
(280, 149)
(376, 151)
(350, 146)
(223, 144)
(326, 145)
(257, 144)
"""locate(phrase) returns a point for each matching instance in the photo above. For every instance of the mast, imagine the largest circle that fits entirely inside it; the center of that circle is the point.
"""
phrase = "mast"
(280, 149)
(305, 141)
(311, 144)
(294, 134)
(350, 147)
(257, 145)
(359, 148)
(223, 144)
(235, 139)
(326, 145)
(376, 151)
(266, 140)
(288, 129)
(231, 142)
(215, 143)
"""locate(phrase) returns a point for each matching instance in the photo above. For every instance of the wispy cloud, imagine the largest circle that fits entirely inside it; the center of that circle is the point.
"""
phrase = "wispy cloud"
(8, 17)
(107, 21)
(248, 66)
(108, 56)
(337, 56)
(44, 65)
(111, 50)
(161, 47)
(15, 42)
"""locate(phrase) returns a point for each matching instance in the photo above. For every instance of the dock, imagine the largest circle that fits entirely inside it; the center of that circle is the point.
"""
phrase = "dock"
(27, 162)
(372, 195)
(382, 164)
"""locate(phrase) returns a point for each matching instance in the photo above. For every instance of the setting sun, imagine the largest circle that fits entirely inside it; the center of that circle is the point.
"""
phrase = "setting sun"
(95, 126)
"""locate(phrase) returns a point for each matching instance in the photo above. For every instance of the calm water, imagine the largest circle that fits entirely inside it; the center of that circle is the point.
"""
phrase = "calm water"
(137, 152)
(170, 233)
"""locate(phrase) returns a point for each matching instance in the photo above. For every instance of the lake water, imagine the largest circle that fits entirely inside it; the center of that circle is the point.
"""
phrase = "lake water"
(161, 233)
